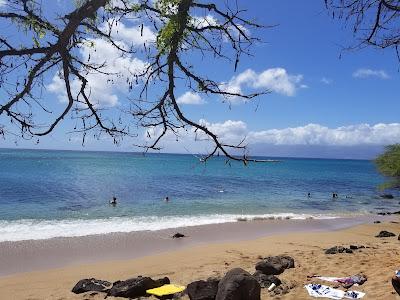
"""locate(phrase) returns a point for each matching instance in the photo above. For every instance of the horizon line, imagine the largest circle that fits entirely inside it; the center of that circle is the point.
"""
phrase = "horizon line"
(176, 153)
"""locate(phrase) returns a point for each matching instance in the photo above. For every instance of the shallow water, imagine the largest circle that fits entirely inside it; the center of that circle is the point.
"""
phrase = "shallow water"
(46, 194)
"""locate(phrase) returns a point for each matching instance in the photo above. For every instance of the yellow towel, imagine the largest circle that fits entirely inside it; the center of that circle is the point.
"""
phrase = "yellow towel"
(166, 289)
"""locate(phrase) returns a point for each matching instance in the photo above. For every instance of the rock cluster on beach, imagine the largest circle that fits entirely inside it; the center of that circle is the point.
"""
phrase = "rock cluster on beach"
(341, 249)
(237, 284)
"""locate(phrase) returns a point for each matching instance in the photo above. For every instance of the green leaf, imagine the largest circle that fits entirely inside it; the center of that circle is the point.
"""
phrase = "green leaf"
(36, 42)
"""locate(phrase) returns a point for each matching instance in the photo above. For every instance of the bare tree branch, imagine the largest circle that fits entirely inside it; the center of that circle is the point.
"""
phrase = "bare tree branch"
(56, 48)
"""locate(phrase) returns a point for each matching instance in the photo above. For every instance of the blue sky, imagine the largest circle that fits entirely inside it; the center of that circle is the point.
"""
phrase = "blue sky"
(342, 98)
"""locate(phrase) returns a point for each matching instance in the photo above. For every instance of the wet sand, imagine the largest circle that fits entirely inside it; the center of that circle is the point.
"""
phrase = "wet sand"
(207, 251)
(33, 255)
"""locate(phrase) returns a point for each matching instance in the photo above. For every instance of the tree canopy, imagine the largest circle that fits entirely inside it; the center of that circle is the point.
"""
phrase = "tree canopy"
(65, 44)
(388, 164)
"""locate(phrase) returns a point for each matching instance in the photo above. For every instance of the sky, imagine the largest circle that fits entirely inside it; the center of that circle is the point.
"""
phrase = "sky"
(324, 102)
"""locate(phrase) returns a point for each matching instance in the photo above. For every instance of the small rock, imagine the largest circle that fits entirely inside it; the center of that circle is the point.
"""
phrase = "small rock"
(386, 196)
(91, 285)
(335, 250)
(385, 233)
(377, 222)
(238, 284)
(266, 280)
(341, 249)
(135, 287)
(178, 235)
(275, 265)
(203, 290)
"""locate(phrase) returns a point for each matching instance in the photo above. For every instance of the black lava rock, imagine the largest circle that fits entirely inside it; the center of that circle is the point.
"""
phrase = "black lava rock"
(385, 233)
(275, 265)
(135, 287)
(203, 290)
(238, 284)
(91, 285)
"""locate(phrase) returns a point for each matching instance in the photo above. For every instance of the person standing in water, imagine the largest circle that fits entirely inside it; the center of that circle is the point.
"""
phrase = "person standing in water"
(166, 199)
(113, 202)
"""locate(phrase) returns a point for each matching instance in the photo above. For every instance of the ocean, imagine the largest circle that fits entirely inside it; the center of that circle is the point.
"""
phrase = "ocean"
(46, 194)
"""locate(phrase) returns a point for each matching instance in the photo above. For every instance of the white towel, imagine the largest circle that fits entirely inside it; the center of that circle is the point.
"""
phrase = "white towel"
(323, 291)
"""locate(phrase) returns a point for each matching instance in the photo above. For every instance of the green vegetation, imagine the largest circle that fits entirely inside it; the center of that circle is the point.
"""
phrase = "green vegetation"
(388, 164)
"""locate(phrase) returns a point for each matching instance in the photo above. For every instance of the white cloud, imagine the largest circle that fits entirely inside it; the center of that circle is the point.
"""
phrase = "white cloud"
(104, 89)
(326, 80)
(315, 134)
(190, 98)
(311, 134)
(365, 73)
(3, 2)
(234, 132)
(228, 131)
(277, 80)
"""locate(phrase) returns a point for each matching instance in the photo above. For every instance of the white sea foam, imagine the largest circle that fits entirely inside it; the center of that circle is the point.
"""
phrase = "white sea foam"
(29, 229)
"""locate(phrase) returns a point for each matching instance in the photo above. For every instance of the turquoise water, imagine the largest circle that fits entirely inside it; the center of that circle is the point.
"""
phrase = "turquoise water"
(66, 193)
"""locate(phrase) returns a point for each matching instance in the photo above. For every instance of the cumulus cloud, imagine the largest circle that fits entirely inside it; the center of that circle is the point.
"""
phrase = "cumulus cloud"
(190, 99)
(326, 80)
(365, 73)
(315, 134)
(232, 131)
(311, 134)
(104, 89)
(228, 131)
(277, 80)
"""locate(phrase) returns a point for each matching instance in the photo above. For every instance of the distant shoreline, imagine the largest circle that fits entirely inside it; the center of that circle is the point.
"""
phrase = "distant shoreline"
(273, 157)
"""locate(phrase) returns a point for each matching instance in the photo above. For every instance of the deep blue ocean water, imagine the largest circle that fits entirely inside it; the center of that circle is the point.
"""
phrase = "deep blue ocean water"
(46, 194)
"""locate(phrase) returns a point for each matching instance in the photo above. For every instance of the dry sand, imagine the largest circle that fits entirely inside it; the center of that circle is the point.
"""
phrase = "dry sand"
(202, 261)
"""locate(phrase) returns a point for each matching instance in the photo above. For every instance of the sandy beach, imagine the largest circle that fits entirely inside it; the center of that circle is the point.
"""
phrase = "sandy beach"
(187, 260)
